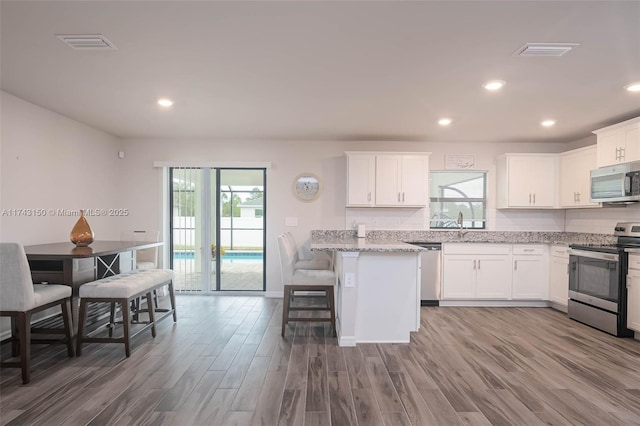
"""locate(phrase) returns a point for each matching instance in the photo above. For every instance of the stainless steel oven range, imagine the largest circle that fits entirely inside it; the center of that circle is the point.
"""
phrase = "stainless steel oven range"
(597, 281)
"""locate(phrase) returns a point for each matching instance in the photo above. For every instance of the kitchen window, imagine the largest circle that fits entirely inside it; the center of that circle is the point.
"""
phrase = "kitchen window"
(455, 192)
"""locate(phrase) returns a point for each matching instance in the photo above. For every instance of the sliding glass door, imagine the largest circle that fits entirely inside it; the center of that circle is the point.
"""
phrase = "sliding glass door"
(218, 228)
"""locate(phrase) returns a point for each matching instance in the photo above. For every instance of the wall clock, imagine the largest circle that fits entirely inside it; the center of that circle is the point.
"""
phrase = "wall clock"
(306, 187)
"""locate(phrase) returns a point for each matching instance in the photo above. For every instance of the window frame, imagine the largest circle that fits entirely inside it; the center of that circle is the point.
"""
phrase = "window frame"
(470, 200)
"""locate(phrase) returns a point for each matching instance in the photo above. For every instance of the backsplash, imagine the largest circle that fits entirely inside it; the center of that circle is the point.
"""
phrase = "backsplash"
(418, 219)
(594, 221)
(600, 220)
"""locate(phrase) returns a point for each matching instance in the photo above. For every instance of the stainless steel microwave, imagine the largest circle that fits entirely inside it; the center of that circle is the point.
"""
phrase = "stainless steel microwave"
(616, 184)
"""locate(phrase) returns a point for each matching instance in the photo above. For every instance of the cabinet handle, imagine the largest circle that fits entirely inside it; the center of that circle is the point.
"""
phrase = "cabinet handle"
(369, 196)
(403, 197)
(398, 197)
(515, 265)
(617, 153)
(534, 198)
(478, 263)
(474, 264)
(528, 249)
(578, 194)
(529, 198)
(622, 149)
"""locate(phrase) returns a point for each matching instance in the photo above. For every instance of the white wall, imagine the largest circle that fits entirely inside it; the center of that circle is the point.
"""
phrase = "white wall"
(51, 162)
(288, 159)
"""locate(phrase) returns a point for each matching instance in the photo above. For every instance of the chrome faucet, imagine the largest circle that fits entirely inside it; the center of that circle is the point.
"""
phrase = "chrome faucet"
(460, 222)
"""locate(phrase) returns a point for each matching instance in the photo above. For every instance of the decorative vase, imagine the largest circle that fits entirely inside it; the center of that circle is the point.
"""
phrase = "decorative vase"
(81, 234)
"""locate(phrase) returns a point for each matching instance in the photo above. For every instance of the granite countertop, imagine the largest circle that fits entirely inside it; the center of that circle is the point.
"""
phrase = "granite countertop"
(364, 245)
(345, 240)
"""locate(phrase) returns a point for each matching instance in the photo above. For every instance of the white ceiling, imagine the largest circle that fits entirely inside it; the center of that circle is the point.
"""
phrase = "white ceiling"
(303, 70)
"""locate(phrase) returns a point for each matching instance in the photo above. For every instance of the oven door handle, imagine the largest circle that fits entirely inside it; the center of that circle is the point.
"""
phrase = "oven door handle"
(594, 255)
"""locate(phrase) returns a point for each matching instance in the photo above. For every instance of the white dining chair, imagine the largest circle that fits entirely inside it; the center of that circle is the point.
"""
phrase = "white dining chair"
(20, 299)
(297, 279)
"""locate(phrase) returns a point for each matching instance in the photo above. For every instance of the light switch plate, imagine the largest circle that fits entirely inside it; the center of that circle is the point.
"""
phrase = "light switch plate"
(349, 279)
(291, 221)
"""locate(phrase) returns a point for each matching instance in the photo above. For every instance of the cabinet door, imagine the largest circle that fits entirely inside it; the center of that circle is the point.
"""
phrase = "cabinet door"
(569, 180)
(529, 278)
(532, 181)
(633, 300)
(587, 162)
(559, 280)
(459, 277)
(632, 144)
(520, 177)
(388, 175)
(361, 180)
(608, 147)
(493, 277)
(415, 180)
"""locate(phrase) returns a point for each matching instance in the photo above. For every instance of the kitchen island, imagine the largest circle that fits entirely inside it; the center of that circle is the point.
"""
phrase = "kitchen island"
(378, 295)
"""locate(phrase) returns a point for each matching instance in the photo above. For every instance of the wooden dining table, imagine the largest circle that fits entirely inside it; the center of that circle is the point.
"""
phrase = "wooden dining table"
(64, 263)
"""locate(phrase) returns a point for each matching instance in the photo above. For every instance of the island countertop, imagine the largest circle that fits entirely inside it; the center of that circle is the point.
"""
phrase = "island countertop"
(363, 245)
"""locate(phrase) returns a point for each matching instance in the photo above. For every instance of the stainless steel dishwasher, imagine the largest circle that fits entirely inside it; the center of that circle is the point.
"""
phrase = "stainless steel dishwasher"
(430, 267)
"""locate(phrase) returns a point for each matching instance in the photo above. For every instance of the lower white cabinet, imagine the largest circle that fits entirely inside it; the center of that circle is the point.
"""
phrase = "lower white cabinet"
(559, 275)
(476, 271)
(633, 293)
(495, 272)
(530, 272)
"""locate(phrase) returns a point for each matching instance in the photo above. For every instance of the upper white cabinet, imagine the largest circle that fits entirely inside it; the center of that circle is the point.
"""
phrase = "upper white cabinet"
(527, 181)
(402, 180)
(387, 179)
(619, 143)
(575, 177)
(361, 180)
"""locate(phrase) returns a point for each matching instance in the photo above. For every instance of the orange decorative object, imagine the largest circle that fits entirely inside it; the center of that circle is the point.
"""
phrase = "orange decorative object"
(81, 234)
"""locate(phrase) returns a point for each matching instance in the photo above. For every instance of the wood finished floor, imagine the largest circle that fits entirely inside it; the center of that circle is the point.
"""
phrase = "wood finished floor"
(224, 363)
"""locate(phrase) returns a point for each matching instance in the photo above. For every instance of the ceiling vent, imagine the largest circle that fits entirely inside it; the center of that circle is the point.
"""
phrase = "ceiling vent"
(87, 42)
(545, 49)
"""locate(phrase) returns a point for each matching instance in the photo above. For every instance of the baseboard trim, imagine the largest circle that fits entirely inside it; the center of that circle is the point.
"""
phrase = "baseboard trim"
(346, 340)
(496, 303)
(274, 294)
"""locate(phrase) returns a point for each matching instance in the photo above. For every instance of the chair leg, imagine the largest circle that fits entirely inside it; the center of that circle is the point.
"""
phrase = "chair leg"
(15, 339)
(124, 305)
(151, 318)
(24, 330)
(82, 317)
(172, 298)
(332, 302)
(112, 318)
(68, 326)
(285, 307)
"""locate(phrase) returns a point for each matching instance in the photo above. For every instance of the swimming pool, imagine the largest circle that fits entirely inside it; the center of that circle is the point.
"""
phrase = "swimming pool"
(230, 256)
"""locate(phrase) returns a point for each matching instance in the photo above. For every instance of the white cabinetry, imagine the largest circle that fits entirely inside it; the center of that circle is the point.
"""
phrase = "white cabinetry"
(559, 276)
(376, 179)
(527, 181)
(575, 177)
(361, 180)
(530, 272)
(476, 271)
(633, 293)
(619, 143)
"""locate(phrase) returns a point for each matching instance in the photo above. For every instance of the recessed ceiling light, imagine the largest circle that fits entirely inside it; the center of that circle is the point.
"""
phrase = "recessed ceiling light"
(548, 123)
(494, 84)
(444, 121)
(165, 102)
(633, 87)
